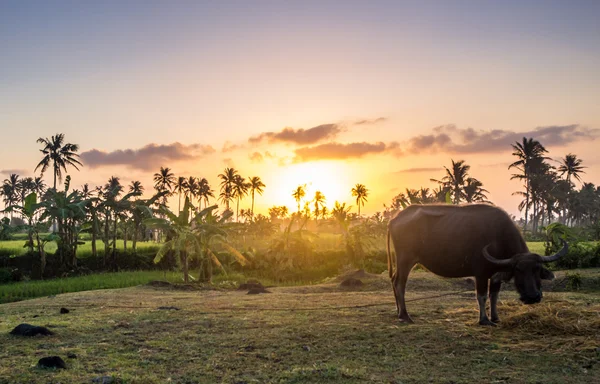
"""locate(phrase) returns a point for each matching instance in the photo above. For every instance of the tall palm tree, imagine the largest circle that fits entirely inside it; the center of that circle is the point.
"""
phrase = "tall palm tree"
(227, 180)
(10, 190)
(256, 185)
(239, 191)
(164, 181)
(529, 152)
(474, 191)
(455, 179)
(571, 166)
(179, 188)
(59, 155)
(191, 188)
(319, 201)
(361, 193)
(299, 194)
(136, 188)
(204, 191)
(39, 187)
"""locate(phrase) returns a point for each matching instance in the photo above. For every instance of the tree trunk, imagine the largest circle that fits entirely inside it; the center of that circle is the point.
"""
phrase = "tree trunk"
(125, 238)
(106, 240)
(185, 266)
(42, 256)
(94, 252)
(114, 244)
(136, 229)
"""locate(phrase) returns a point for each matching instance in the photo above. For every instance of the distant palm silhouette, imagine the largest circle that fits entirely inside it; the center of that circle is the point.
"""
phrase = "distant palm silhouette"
(59, 155)
(361, 193)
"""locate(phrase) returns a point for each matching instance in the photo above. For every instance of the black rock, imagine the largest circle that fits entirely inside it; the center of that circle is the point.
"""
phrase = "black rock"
(30, 330)
(351, 282)
(251, 284)
(71, 355)
(256, 291)
(64, 310)
(169, 308)
(52, 362)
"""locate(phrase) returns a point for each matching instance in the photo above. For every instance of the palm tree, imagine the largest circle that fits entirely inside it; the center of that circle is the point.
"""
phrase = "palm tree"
(256, 185)
(10, 190)
(179, 188)
(299, 194)
(136, 188)
(164, 181)
(528, 152)
(39, 187)
(361, 193)
(474, 191)
(239, 191)
(571, 165)
(191, 188)
(455, 179)
(204, 191)
(59, 155)
(319, 201)
(227, 180)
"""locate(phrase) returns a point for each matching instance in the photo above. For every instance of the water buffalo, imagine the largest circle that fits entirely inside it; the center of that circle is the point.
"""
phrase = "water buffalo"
(458, 241)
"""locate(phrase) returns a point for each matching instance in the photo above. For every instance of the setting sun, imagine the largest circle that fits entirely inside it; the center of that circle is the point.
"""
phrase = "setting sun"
(333, 179)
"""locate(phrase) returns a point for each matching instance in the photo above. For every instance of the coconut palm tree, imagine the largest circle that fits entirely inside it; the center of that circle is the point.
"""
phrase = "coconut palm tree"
(239, 191)
(10, 191)
(204, 191)
(59, 155)
(571, 166)
(256, 185)
(361, 193)
(136, 188)
(319, 201)
(179, 188)
(39, 187)
(474, 191)
(299, 194)
(227, 180)
(455, 179)
(164, 180)
(528, 152)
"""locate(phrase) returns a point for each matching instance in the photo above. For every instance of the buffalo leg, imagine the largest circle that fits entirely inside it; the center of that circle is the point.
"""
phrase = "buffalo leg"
(399, 282)
(482, 290)
(494, 291)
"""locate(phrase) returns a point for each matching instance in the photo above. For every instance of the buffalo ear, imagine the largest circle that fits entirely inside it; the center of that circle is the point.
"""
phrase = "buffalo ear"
(502, 276)
(546, 274)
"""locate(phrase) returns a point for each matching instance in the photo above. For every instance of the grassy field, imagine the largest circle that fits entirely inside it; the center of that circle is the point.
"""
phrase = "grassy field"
(308, 334)
(15, 247)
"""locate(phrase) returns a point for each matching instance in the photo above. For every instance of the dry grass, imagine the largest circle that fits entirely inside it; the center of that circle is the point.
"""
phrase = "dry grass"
(313, 334)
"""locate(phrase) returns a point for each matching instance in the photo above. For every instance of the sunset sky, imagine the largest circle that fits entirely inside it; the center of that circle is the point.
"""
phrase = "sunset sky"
(383, 93)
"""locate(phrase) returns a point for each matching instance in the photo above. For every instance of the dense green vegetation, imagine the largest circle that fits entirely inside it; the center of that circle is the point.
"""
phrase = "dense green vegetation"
(65, 231)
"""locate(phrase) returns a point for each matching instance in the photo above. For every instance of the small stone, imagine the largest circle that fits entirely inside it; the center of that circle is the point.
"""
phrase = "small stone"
(52, 362)
(64, 310)
(30, 330)
(306, 348)
(168, 308)
(71, 355)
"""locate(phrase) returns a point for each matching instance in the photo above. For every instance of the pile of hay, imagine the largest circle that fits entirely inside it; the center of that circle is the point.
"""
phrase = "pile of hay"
(556, 317)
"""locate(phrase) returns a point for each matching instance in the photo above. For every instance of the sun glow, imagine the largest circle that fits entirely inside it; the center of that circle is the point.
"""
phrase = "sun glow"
(333, 179)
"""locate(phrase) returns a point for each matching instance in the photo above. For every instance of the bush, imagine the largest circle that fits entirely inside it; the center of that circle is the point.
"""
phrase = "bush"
(580, 255)
(9, 275)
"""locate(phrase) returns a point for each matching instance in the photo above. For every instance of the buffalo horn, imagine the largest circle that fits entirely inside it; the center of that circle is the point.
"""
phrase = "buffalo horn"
(493, 260)
(557, 255)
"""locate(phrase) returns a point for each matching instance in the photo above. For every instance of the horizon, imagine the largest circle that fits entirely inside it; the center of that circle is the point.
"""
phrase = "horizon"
(382, 94)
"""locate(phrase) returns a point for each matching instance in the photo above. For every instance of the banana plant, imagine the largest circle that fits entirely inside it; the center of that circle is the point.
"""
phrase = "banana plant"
(195, 237)
(29, 210)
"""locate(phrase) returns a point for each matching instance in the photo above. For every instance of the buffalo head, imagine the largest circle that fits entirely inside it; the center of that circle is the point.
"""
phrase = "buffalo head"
(527, 270)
